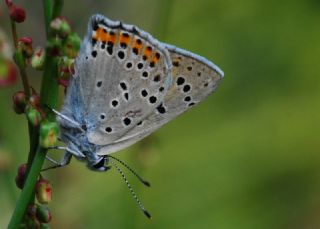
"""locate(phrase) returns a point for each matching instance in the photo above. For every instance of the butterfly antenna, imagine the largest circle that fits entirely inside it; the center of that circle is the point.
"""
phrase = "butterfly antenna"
(131, 190)
(146, 183)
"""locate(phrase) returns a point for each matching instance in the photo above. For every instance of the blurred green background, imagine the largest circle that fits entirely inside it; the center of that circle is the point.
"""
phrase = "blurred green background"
(247, 157)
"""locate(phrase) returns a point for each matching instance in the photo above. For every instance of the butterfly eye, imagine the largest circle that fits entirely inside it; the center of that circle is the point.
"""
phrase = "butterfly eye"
(84, 127)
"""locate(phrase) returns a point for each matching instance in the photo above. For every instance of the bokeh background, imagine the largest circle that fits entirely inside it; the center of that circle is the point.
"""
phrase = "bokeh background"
(247, 157)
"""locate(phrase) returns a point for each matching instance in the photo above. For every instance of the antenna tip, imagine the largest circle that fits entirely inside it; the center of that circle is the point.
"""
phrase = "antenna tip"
(147, 214)
(146, 183)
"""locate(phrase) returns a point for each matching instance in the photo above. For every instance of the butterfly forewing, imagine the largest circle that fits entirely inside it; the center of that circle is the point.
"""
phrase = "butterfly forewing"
(123, 75)
(194, 78)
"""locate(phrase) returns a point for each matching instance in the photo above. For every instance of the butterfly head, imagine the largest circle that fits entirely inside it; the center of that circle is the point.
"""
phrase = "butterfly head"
(99, 165)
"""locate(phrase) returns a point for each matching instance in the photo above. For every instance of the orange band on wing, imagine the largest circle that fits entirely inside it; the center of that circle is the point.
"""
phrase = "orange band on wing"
(124, 39)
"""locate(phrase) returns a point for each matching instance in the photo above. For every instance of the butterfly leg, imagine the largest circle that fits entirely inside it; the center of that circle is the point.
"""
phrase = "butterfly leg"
(65, 161)
(72, 149)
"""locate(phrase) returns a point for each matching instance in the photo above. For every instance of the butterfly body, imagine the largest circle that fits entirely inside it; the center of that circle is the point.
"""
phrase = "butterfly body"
(127, 85)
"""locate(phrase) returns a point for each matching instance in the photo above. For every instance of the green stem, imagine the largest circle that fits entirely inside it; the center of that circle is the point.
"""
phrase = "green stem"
(47, 8)
(58, 4)
(49, 96)
(28, 189)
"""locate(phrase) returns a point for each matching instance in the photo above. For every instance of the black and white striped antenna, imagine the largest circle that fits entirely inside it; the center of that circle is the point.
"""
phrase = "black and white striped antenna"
(131, 190)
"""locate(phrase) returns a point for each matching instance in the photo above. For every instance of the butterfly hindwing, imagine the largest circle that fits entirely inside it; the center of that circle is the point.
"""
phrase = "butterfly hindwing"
(122, 75)
(194, 78)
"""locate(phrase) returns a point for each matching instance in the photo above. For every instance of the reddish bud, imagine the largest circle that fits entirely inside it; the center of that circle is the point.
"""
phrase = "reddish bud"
(25, 45)
(43, 214)
(20, 178)
(33, 115)
(43, 191)
(34, 99)
(19, 102)
(8, 73)
(26, 40)
(38, 58)
(9, 3)
(17, 13)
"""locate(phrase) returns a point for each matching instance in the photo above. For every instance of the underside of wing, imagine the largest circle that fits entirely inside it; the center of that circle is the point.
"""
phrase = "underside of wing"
(194, 78)
(121, 75)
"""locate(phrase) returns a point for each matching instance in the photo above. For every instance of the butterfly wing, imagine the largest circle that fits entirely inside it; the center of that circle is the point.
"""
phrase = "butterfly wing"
(194, 78)
(121, 75)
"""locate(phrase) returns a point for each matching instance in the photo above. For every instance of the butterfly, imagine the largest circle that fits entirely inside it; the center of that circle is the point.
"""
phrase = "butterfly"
(127, 85)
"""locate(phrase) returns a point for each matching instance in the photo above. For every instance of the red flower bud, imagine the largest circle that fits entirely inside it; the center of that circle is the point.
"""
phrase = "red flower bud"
(20, 178)
(25, 45)
(17, 13)
(9, 3)
(19, 102)
(34, 99)
(26, 40)
(43, 191)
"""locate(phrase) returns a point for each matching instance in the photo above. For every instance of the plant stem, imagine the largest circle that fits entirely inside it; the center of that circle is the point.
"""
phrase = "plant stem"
(49, 96)
(14, 33)
(28, 189)
(22, 70)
